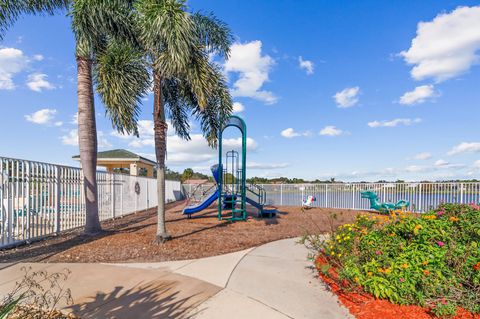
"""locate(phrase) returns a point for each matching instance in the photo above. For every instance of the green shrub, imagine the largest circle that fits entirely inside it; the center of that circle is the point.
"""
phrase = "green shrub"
(431, 260)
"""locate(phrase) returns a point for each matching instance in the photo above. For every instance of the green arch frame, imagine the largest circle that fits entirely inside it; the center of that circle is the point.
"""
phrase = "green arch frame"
(237, 214)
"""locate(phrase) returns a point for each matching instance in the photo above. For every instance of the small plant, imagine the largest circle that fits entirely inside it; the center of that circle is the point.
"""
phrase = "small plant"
(431, 260)
(8, 307)
(36, 296)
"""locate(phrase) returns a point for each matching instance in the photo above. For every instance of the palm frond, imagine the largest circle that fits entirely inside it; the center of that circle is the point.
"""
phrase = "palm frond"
(122, 78)
(167, 34)
(11, 10)
(218, 108)
(94, 20)
(213, 33)
(177, 106)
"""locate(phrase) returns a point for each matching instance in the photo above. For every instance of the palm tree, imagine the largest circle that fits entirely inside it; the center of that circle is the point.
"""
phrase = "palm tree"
(104, 36)
(185, 82)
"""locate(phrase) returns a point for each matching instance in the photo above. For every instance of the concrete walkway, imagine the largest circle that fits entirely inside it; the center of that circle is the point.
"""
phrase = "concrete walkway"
(270, 281)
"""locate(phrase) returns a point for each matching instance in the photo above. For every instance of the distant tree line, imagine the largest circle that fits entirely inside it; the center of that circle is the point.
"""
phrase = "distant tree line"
(188, 173)
(286, 180)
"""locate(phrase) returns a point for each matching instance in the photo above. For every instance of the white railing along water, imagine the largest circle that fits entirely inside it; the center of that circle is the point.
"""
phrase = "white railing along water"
(40, 199)
(422, 196)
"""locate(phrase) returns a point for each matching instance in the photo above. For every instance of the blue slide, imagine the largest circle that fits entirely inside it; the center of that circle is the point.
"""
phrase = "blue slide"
(209, 200)
(254, 204)
(203, 205)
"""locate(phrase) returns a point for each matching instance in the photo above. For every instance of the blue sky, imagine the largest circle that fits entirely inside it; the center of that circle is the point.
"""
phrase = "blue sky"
(356, 90)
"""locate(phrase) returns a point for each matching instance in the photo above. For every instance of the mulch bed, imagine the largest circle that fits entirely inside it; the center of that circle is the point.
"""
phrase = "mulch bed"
(365, 306)
(131, 238)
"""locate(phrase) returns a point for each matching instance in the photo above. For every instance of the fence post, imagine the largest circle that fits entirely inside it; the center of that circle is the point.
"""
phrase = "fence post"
(28, 214)
(303, 194)
(461, 193)
(353, 196)
(326, 195)
(58, 187)
(112, 196)
(420, 195)
(281, 194)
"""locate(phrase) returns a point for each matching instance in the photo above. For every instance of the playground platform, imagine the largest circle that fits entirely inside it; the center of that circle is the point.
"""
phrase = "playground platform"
(269, 281)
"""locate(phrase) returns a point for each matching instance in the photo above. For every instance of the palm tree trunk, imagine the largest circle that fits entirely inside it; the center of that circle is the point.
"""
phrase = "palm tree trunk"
(160, 127)
(87, 142)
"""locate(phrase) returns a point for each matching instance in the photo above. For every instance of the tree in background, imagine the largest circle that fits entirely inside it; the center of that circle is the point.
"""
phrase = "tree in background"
(187, 174)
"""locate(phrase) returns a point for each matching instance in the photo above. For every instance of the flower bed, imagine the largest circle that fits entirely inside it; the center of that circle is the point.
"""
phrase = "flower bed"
(431, 261)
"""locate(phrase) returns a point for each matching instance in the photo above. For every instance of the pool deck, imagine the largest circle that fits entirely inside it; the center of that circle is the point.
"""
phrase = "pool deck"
(274, 280)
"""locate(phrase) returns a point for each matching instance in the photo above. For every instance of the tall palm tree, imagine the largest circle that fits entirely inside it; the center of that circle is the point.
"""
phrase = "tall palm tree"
(177, 44)
(105, 46)
(104, 37)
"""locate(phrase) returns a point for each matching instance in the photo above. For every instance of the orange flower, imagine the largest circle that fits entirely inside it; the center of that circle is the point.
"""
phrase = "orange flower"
(425, 262)
(426, 272)
(454, 219)
(405, 266)
(477, 266)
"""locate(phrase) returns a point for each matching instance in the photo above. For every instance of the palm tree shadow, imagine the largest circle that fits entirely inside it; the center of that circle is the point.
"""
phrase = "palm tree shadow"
(154, 300)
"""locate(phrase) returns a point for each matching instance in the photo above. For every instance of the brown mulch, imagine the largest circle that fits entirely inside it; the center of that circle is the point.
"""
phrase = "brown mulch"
(131, 238)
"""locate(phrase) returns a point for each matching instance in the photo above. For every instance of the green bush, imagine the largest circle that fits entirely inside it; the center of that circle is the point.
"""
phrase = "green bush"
(431, 260)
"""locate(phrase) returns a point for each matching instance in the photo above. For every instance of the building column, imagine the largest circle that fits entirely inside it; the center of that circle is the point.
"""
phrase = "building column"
(133, 169)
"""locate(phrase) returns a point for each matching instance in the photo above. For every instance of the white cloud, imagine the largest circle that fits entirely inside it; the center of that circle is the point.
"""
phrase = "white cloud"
(120, 135)
(417, 168)
(476, 164)
(72, 139)
(197, 150)
(180, 151)
(422, 156)
(419, 95)
(38, 81)
(255, 165)
(145, 128)
(12, 61)
(290, 133)
(441, 162)
(253, 70)
(74, 119)
(238, 107)
(305, 65)
(331, 131)
(38, 57)
(43, 117)
(347, 97)
(146, 133)
(139, 142)
(447, 46)
(465, 148)
(394, 123)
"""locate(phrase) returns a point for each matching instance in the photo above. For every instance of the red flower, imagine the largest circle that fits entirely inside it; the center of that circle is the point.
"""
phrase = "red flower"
(477, 266)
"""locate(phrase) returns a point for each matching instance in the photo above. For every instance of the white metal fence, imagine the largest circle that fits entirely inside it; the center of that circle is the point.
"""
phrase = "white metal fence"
(422, 196)
(40, 199)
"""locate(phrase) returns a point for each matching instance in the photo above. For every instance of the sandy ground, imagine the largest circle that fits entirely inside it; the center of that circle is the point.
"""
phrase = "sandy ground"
(131, 238)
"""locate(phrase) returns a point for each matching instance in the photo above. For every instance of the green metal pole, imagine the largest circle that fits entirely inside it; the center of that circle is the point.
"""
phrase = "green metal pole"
(244, 172)
(220, 174)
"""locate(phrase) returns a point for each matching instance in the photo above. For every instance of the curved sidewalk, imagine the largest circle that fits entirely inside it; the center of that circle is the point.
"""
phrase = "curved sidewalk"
(270, 281)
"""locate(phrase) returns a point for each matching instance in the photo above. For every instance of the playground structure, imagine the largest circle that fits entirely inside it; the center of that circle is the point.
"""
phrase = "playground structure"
(383, 207)
(309, 202)
(232, 192)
